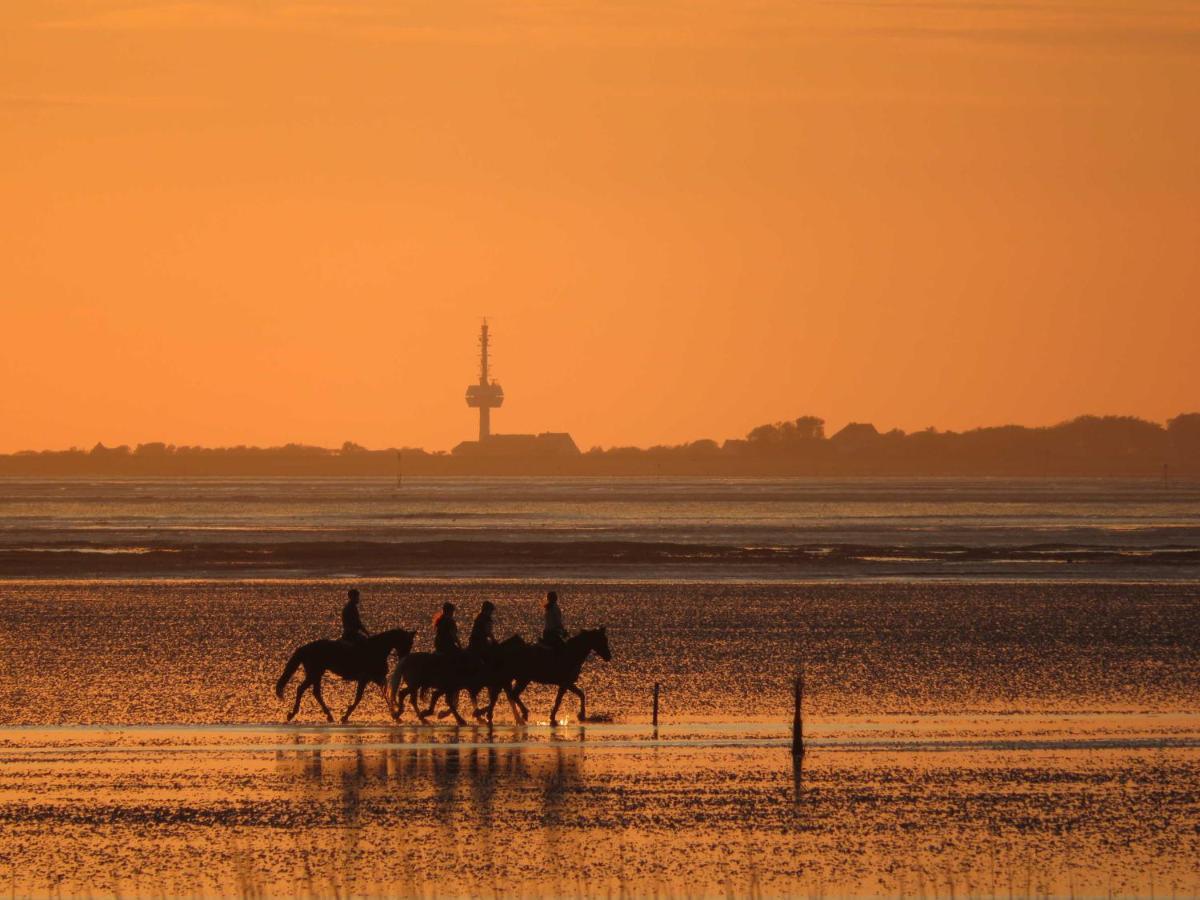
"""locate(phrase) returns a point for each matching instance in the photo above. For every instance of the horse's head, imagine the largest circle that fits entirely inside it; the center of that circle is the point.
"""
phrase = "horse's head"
(597, 640)
(386, 641)
(394, 639)
(402, 641)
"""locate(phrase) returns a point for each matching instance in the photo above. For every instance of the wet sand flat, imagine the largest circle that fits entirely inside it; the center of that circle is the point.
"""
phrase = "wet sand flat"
(985, 739)
(210, 652)
(994, 805)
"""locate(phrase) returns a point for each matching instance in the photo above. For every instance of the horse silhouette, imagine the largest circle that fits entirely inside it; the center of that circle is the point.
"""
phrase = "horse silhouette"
(448, 674)
(529, 663)
(363, 661)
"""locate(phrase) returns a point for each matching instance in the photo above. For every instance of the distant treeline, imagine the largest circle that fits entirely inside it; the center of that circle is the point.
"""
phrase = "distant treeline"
(1086, 446)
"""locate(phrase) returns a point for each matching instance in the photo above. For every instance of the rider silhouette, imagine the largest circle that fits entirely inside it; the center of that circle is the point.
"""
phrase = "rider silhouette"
(445, 631)
(554, 634)
(353, 629)
(483, 636)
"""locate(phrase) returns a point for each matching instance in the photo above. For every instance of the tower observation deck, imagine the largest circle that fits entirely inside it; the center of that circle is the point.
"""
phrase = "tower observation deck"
(486, 395)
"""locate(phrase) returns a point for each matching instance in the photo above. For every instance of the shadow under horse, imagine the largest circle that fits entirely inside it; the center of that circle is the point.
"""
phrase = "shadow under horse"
(365, 662)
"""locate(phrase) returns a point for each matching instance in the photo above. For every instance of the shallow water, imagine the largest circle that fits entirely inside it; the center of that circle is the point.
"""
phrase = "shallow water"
(1015, 806)
(665, 529)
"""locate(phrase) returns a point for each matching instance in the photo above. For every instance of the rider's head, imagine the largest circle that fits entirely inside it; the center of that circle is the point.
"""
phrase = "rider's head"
(488, 606)
(552, 598)
(448, 608)
(353, 595)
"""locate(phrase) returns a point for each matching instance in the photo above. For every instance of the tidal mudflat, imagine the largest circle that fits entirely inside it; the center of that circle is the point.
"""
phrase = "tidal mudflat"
(989, 739)
(1089, 805)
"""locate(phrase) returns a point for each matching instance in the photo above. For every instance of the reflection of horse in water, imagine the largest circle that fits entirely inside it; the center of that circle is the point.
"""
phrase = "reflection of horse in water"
(363, 661)
(442, 782)
(511, 667)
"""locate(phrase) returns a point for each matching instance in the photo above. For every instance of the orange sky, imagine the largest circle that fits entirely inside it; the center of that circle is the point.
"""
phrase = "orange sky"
(257, 221)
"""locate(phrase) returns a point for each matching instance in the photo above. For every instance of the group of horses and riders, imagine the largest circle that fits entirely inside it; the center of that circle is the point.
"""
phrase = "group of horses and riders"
(484, 666)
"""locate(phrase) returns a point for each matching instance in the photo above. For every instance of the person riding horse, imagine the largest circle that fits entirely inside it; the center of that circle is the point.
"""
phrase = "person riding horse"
(445, 632)
(353, 630)
(483, 631)
(554, 634)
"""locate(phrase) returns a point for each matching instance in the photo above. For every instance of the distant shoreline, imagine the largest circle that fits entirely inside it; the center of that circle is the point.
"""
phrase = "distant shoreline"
(1087, 446)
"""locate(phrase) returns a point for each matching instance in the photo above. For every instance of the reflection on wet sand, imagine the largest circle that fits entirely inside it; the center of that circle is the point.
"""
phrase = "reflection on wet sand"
(463, 782)
(942, 806)
(466, 793)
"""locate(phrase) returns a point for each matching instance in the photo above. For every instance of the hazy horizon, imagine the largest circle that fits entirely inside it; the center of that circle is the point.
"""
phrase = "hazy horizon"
(235, 222)
(719, 438)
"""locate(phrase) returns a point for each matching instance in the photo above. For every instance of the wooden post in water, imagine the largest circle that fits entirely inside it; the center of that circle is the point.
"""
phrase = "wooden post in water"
(798, 716)
(654, 718)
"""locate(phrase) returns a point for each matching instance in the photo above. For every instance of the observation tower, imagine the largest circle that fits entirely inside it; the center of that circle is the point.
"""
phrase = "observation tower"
(486, 395)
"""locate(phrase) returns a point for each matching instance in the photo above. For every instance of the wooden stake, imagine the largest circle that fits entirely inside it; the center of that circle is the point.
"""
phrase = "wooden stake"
(798, 716)
(655, 717)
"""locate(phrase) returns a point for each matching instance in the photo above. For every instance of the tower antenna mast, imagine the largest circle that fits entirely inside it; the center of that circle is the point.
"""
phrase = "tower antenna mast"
(487, 394)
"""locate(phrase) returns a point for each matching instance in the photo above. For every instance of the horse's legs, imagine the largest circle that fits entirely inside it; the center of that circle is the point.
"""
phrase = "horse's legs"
(394, 687)
(507, 689)
(397, 704)
(480, 712)
(433, 699)
(493, 695)
(452, 699)
(316, 689)
(574, 689)
(557, 702)
(412, 693)
(304, 686)
(358, 695)
(515, 695)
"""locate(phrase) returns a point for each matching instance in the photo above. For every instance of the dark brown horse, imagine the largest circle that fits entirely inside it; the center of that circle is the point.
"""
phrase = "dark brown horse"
(446, 675)
(365, 662)
(526, 663)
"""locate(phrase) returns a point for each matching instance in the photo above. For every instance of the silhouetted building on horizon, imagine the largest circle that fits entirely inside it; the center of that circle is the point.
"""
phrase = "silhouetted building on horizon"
(514, 446)
(487, 395)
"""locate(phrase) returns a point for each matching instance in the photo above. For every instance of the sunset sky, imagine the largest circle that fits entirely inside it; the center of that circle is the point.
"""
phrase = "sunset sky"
(258, 221)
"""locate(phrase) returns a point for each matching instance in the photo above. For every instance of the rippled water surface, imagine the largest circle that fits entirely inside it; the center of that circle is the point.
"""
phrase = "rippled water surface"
(888, 809)
(648, 528)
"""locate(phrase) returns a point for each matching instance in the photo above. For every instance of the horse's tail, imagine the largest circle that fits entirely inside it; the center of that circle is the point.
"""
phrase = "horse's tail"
(288, 671)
